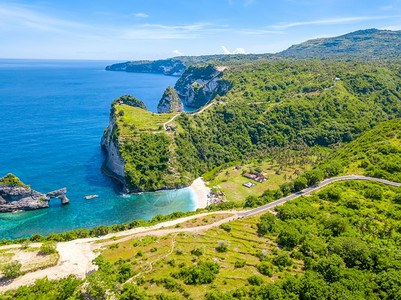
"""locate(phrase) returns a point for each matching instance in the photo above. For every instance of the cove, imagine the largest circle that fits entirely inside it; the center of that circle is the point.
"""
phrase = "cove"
(53, 116)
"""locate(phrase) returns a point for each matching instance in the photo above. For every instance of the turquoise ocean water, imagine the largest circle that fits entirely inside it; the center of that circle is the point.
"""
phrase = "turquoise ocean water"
(53, 114)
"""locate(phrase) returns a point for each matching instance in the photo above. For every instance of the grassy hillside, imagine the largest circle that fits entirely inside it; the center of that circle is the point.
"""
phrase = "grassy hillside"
(341, 243)
(376, 153)
(371, 43)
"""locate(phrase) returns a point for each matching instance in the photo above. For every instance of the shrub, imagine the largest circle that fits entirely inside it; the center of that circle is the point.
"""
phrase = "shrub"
(240, 263)
(48, 248)
(255, 280)
(222, 247)
(197, 251)
(204, 272)
(12, 269)
(225, 227)
(266, 268)
(283, 259)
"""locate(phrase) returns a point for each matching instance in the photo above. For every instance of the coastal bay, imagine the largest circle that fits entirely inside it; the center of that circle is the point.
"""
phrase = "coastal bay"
(56, 112)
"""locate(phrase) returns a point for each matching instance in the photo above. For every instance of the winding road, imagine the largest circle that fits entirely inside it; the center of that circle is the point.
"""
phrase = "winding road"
(76, 256)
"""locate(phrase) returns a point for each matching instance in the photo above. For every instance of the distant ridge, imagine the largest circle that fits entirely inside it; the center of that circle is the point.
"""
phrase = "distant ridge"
(361, 43)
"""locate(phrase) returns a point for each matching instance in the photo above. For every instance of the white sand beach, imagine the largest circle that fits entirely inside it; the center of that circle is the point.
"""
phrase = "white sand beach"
(201, 191)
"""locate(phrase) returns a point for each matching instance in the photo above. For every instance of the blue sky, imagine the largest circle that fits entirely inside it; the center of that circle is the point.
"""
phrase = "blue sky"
(153, 29)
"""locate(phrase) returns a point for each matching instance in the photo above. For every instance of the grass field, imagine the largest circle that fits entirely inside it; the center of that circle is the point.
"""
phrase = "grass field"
(230, 180)
(143, 119)
(154, 259)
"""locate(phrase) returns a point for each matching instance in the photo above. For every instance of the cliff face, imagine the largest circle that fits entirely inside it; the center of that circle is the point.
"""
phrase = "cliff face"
(17, 196)
(170, 102)
(114, 165)
(199, 84)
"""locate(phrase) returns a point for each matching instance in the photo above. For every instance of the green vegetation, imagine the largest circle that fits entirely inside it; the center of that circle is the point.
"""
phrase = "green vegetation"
(12, 269)
(317, 247)
(12, 180)
(370, 43)
(48, 248)
(130, 101)
(281, 104)
(376, 153)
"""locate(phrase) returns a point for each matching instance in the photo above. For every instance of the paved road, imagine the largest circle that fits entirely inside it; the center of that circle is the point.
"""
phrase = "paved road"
(309, 190)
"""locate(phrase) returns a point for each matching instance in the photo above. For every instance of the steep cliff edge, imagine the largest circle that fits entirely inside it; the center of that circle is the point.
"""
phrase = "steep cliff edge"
(199, 84)
(138, 149)
(114, 165)
(170, 102)
(14, 195)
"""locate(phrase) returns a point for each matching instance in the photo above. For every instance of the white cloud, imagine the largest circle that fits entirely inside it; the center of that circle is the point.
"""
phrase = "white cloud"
(394, 28)
(225, 50)
(236, 51)
(330, 21)
(141, 15)
(177, 52)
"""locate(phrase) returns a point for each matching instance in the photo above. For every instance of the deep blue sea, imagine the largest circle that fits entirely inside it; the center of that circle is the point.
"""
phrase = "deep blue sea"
(53, 114)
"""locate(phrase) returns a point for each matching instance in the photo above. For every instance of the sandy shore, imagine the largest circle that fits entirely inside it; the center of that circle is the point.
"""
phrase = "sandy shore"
(201, 191)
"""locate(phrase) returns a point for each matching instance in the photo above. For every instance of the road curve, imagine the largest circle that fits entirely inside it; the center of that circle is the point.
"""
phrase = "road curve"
(309, 190)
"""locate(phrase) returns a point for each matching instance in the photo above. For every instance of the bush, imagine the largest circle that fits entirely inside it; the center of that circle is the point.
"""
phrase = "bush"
(266, 268)
(240, 263)
(225, 227)
(48, 248)
(283, 259)
(222, 247)
(197, 251)
(12, 269)
(204, 272)
(255, 280)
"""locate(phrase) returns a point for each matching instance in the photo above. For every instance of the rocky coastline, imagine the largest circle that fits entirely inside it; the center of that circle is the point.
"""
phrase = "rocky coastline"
(15, 196)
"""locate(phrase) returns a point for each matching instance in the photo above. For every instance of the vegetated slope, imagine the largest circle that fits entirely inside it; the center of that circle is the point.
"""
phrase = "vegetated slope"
(283, 103)
(376, 153)
(341, 243)
(370, 43)
(274, 104)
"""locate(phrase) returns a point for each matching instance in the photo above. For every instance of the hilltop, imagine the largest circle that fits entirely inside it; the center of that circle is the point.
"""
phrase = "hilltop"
(362, 44)
(370, 43)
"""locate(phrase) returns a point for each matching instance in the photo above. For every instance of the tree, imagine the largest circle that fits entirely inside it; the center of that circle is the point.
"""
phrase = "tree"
(289, 237)
(269, 223)
(314, 176)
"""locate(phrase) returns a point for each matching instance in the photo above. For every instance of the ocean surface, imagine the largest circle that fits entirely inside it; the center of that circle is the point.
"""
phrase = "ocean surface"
(53, 114)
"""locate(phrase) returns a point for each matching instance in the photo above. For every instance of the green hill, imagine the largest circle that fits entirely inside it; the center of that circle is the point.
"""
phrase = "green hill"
(370, 43)
(376, 153)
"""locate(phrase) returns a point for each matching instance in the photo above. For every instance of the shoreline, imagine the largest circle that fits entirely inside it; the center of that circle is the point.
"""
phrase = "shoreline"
(201, 191)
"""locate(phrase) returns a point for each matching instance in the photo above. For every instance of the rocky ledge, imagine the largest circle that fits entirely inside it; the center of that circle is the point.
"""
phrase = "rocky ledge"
(14, 196)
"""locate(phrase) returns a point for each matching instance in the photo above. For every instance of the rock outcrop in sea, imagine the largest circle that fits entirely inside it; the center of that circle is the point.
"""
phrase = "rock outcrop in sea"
(14, 196)
(170, 102)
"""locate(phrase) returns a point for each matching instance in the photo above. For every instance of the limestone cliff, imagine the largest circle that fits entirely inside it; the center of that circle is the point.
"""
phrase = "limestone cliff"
(14, 195)
(114, 165)
(170, 102)
(199, 84)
